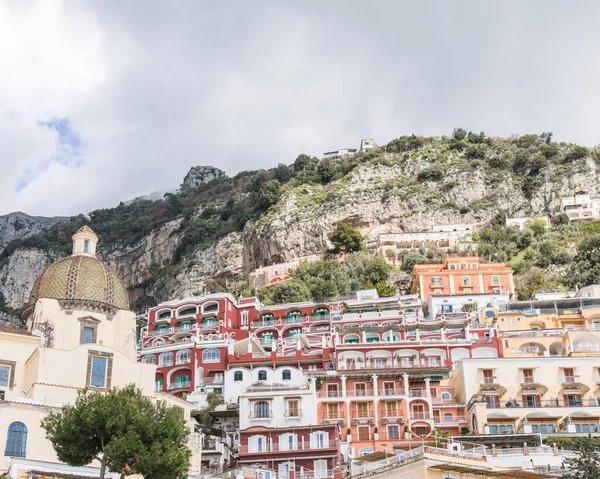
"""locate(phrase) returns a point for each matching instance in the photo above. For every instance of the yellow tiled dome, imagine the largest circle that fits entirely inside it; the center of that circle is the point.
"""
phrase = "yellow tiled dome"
(80, 278)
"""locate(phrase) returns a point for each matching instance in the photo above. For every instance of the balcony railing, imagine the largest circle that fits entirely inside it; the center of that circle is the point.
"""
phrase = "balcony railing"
(570, 380)
(261, 415)
(417, 393)
(180, 385)
(332, 415)
(363, 414)
(453, 420)
(183, 361)
(395, 364)
(420, 415)
(488, 380)
(276, 447)
(542, 403)
(293, 413)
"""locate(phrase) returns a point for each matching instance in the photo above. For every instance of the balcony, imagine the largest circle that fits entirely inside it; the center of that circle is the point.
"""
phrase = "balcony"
(417, 393)
(180, 385)
(333, 415)
(363, 414)
(264, 415)
(293, 413)
(443, 421)
(164, 320)
(302, 446)
(543, 403)
(329, 394)
(179, 361)
(391, 391)
(489, 381)
(360, 392)
(568, 380)
(418, 415)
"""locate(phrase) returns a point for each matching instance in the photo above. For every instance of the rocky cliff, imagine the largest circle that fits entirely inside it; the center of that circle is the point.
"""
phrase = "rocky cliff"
(16, 226)
(219, 228)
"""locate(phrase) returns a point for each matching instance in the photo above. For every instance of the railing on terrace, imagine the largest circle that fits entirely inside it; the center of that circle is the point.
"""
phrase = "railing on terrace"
(363, 414)
(180, 385)
(179, 361)
(215, 380)
(392, 461)
(514, 403)
(447, 420)
(333, 415)
(392, 364)
(276, 447)
(276, 387)
(420, 415)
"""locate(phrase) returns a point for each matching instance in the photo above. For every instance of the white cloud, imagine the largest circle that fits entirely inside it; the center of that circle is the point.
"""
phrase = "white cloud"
(153, 88)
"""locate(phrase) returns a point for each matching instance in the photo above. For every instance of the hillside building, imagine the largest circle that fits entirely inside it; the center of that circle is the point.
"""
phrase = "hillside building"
(521, 222)
(461, 274)
(275, 273)
(580, 206)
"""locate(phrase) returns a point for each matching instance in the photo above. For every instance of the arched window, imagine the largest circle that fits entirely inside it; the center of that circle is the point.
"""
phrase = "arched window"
(262, 375)
(149, 359)
(286, 375)
(238, 376)
(448, 416)
(446, 397)
(16, 440)
(184, 356)
(211, 356)
(364, 451)
(261, 409)
(165, 359)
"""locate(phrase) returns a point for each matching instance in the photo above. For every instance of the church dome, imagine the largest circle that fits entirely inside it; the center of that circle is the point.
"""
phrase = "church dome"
(81, 277)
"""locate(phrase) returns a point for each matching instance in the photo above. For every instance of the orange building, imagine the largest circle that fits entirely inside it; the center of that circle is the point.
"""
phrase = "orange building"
(461, 275)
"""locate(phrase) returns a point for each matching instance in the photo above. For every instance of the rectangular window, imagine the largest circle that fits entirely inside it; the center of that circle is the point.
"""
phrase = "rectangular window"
(502, 429)
(99, 366)
(569, 375)
(364, 433)
(388, 388)
(531, 400)
(528, 376)
(360, 389)
(333, 411)
(99, 370)
(393, 432)
(488, 376)
(434, 390)
(452, 266)
(88, 335)
(492, 401)
(4, 375)
(495, 279)
(463, 266)
(332, 391)
(86, 246)
(436, 281)
(391, 409)
(293, 408)
(466, 280)
(362, 409)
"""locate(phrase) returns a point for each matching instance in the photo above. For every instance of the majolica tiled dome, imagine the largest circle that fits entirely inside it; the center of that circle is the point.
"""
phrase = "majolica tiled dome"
(81, 276)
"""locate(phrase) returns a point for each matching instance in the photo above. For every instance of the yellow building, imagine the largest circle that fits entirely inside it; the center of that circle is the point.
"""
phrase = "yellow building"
(80, 334)
(545, 395)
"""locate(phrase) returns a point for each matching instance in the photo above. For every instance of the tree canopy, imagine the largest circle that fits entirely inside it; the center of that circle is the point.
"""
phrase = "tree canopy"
(125, 431)
(587, 464)
(346, 239)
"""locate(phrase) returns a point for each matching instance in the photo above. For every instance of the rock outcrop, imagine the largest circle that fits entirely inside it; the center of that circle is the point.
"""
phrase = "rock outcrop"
(18, 225)
(200, 175)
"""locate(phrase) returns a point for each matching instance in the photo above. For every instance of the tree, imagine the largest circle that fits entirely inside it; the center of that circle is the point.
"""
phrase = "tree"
(538, 227)
(346, 238)
(269, 194)
(305, 162)
(587, 464)
(385, 290)
(459, 134)
(124, 430)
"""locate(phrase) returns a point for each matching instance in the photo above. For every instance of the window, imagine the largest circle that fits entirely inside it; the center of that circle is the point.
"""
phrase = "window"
(569, 375)
(388, 388)
(543, 428)
(318, 440)
(87, 336)
(446, 397)
(261, 409)
(495, 279)
(158, 384)
(433, 390)
(488, 376)
(391, 409)
(572, 400)
(262, 375)
(364, 451)
(510, 321)
(286, 375)
(293, 408)
(466, 280)
(393, 432)
(502, 429)
(332, 391)
(436, 281)
(184, 356)
(257, 444)
(99, 370)
(360, 389)
(7, 373)
(452, 266)
(165, 359)
(149, 359)
(162, 329)
(448, 417)
(238, 376)
(16, 440)
(86, 246)
(288, 442)
(492, 401)
(185, 326)
(244, 318)
(528, 376)
(211, 356)
(585, 428)
(182, 382)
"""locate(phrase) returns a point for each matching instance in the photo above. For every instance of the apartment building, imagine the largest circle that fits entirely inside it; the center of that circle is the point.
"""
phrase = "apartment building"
(275, 273)
(580, 206)
(545, 395)
(460, 274)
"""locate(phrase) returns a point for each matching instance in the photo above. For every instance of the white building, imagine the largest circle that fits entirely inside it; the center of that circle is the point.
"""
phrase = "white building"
(521, 221)
(457, 303)
(339, 153)
(580, 206)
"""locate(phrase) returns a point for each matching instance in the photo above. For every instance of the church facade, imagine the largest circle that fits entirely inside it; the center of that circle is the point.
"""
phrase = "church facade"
(79, 334)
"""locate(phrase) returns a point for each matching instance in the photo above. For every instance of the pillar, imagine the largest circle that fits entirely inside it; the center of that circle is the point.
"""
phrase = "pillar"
(375, 391)
(427, 387)
(344, 386)
(405, 382)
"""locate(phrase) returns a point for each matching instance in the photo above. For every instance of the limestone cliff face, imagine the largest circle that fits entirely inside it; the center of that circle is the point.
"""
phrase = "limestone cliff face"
(18, 274)
(386, 199)
(19, 225)
(377, 197)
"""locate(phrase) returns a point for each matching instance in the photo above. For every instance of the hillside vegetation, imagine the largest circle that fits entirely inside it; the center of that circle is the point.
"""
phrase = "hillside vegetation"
(420, 180)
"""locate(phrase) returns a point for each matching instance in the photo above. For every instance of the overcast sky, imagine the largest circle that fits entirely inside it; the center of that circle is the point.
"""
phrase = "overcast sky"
(102, 101)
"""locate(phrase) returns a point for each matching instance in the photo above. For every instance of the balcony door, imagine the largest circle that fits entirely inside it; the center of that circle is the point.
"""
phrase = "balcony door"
(284, 469)
(333, 391)
(320, 468)
(360, 389)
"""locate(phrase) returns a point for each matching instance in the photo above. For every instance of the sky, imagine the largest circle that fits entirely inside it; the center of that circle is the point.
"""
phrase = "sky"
(102, 101)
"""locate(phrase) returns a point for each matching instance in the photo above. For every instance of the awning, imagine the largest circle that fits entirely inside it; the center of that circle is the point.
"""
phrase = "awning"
(374, 456)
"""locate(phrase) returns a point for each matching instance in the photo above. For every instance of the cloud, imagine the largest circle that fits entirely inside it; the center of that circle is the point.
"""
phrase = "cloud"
(104, 101)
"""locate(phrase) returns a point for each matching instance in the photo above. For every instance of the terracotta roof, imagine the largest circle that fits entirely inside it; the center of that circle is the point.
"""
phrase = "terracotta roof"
(7, 328)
